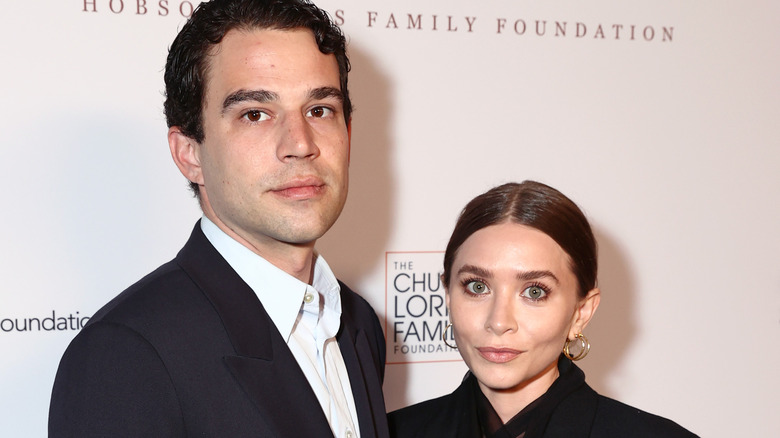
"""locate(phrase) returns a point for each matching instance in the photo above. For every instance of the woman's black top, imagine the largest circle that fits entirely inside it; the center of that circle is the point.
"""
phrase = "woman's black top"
(569, 409)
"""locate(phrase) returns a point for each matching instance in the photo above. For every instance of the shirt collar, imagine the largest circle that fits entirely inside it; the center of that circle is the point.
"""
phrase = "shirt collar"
(281, 294)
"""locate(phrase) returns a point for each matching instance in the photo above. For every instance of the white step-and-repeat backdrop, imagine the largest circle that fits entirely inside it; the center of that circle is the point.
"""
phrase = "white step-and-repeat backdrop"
(660, 118)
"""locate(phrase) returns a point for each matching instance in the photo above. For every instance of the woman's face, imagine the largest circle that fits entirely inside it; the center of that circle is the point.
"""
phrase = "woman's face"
(513, 302)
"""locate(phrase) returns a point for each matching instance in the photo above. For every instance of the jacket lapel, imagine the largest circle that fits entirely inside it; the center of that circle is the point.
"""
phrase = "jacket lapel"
(282, 395)
(365, 383)
(263, 364)
(363, 354)
(575, 413)
(574, 416)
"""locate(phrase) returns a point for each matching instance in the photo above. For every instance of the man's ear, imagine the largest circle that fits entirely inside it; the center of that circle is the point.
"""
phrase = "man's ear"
(584, 312)
(349, 141)
(186, 154)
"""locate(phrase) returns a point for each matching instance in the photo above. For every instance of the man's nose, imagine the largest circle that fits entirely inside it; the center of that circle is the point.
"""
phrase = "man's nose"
(297, 139)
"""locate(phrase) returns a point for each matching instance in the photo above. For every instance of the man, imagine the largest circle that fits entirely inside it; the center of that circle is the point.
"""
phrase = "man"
(246, 333)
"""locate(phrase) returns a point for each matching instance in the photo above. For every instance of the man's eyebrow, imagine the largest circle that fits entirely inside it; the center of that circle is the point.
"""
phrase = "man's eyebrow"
(259, 96)
(326, 92)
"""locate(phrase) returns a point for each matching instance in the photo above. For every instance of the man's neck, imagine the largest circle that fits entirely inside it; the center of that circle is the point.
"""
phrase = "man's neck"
(292, 258)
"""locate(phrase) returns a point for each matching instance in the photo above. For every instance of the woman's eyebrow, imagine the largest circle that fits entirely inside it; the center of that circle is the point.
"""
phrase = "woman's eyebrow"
(475, 270)
(533, 275)
(521, 275)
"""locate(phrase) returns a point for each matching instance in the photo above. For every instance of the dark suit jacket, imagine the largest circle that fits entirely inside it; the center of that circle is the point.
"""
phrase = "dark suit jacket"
(190, 351)
(583, 413)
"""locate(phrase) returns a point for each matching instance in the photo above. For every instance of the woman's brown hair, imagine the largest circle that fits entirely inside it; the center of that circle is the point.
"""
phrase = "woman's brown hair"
(538, 206)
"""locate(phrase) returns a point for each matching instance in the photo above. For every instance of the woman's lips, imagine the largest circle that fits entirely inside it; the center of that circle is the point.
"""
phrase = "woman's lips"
(498, 355)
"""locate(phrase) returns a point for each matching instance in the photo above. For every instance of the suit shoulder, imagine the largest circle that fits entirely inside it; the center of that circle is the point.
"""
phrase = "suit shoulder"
(454, 414)
(615, 418)
(424, 408)
(357, 308)
(351, 298)
(113, 380)
(155, 292)
(165, 309)
(415, 420)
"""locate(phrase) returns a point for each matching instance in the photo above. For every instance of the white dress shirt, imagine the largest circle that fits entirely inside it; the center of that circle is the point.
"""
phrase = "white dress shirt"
(308, 318)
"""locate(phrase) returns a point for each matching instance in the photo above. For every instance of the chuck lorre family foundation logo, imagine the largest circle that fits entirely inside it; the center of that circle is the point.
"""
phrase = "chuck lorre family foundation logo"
(415, 309)
(506, 24)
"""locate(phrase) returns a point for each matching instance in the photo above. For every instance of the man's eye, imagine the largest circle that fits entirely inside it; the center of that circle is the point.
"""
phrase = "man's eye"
(255, 116)
(534, 293)
(320, 112)
(477, 287)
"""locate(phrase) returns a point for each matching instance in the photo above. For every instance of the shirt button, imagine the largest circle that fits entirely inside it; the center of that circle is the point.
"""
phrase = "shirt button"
(308, 298)
(349, 434)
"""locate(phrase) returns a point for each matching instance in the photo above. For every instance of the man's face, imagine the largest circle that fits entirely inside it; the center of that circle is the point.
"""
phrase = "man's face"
(275, 156)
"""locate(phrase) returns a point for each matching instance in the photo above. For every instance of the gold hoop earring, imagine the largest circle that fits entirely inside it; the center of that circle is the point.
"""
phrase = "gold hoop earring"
(444, 337)
(584, 347)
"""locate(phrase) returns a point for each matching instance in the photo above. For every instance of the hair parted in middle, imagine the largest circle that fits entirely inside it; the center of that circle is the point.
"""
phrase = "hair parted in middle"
(538, 206)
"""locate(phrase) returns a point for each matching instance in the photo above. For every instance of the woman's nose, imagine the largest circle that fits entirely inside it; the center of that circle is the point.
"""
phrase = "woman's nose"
(502, 317)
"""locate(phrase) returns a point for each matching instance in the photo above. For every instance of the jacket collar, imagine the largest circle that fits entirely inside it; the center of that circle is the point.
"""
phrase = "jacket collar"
(263, 364)
(242, 314)
(365, 373)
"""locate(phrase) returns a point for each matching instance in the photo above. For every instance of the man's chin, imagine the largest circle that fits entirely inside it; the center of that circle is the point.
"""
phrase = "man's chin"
(304, 236)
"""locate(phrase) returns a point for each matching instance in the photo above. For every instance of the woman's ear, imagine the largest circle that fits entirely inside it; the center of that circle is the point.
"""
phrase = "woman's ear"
(584, 312)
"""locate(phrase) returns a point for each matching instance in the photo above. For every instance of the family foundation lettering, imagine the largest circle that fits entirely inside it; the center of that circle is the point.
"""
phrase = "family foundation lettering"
(529, 27)
(47, 324)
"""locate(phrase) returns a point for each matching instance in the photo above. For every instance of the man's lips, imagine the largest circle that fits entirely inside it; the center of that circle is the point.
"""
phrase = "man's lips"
(302, 188)
(498, 354)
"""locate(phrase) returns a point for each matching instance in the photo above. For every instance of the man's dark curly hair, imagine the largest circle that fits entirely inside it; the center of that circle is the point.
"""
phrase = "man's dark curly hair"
(187, 64)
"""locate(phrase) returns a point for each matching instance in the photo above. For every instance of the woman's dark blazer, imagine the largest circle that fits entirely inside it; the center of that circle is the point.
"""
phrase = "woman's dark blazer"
(583, 413)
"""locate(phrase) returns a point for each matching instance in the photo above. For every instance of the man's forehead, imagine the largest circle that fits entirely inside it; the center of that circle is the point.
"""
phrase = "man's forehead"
(273, 60)
(262, 37)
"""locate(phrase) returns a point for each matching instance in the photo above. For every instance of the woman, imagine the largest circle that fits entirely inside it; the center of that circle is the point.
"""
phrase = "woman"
(520, 277)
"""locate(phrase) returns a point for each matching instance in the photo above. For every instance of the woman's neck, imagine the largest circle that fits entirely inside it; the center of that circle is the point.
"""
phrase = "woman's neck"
(509, 402)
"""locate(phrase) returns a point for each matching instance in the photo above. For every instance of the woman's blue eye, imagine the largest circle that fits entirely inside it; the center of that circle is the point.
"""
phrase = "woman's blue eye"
(534, 292)
(476, 287)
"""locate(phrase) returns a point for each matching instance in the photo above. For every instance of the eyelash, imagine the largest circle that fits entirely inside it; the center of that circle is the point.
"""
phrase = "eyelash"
(245, 116)
(328, 113)
(468, 280)
(540, 286)
(465, 282)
